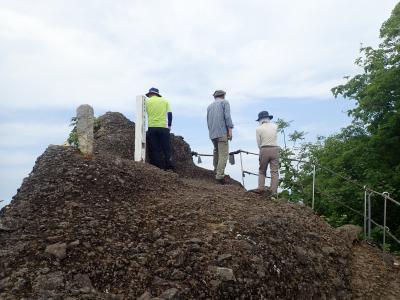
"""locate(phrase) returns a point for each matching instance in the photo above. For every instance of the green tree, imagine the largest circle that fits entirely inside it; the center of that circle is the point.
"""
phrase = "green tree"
(367, 151)
(282, 125)
(364, 153)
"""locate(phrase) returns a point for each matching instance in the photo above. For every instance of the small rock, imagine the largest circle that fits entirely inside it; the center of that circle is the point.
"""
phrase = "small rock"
(215, 283)
(178, 275)
(301, 255)
(20, 285)
(63, 225)
(73, 244)
(157, 233)
(145, 296)
(387, 258)
(260, 273)
(195, 248)
(160, 243)
(43, 271)
(225, 274)
(224, 257)
(170, 294)
(4, 228)
(83, 281)
(328, 250)
(5, 283)
(349, 232)
(54, 238)
(51, 281)
(85, 290)
(195, 241)
(59, 250)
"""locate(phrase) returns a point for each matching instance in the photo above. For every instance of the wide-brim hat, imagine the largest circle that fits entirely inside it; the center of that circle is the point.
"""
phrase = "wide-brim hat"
(219, 93)
(153, 90)
(263, 115)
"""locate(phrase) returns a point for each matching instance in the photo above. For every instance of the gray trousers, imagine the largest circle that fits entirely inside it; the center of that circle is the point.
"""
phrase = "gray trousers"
(269, 156)
(220, 156)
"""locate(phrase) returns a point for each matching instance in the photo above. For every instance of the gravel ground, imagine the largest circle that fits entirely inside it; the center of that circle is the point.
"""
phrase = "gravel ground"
(107, 227)
(374, 274)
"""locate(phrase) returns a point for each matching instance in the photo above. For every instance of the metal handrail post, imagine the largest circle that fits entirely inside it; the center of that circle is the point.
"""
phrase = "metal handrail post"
(241, 167)
(365, 211)
(369, 216)
(384, 221)
(313, 189)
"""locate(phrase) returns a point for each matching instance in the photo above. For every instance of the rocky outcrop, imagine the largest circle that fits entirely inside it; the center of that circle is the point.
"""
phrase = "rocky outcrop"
(115, 136)
(105, 227)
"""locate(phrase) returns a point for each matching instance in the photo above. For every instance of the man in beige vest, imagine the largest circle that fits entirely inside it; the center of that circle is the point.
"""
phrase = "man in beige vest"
(266, 135)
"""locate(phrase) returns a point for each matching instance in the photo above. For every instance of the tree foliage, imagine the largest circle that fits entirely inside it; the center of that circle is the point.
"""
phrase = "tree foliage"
(73, 135)
(367, 151)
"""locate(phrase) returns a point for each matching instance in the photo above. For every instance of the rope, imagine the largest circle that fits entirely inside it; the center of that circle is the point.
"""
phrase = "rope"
(200, 154)
(329, 197)
(387, 231)
(250, 173)
(348, 179)
(325, 195)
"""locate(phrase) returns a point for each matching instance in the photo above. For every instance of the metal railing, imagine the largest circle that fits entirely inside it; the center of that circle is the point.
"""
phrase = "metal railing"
(368, 192)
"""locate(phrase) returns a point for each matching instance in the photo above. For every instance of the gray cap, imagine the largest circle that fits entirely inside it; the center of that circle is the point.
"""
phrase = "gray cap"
(218, 93)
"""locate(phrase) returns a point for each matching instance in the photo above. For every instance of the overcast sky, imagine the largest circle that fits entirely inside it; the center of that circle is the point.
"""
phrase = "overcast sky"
(282, 56)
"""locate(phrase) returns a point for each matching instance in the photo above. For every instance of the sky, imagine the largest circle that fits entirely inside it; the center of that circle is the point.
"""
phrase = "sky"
(281, 56)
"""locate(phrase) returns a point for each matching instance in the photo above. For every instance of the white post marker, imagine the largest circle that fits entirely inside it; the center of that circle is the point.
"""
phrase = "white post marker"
(140, 129)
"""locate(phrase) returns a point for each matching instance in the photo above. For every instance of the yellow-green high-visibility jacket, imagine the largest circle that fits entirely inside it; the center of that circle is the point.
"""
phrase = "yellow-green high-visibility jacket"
(157, 109)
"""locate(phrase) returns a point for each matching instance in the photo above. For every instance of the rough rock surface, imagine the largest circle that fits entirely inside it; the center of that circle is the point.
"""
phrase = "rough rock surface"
(133, 230)
(115, 135)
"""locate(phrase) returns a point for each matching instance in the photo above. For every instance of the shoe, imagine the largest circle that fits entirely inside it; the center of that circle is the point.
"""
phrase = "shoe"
(257, 191)
(227, 179)
(221, 181)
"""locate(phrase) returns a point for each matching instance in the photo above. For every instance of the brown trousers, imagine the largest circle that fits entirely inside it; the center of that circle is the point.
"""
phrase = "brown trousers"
(269, 156)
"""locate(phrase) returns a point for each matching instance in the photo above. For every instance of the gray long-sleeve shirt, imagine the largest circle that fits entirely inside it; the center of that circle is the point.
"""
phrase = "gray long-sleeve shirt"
(219, 118)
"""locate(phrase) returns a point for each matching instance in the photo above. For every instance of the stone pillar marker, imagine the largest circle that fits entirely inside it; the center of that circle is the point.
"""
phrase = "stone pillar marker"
(84, 128)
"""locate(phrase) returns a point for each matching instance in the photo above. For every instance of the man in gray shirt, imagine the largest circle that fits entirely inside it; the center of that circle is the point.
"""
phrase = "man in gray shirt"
(220, 126)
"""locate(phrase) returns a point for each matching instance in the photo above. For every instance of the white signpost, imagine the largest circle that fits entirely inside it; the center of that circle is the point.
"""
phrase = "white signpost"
(140, 129)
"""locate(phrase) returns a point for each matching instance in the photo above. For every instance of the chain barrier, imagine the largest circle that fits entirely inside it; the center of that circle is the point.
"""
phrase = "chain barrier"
(368, 192)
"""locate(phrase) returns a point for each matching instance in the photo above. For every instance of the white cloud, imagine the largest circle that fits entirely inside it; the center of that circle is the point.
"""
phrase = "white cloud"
(22, 135)
(63, 53)
(55, 55)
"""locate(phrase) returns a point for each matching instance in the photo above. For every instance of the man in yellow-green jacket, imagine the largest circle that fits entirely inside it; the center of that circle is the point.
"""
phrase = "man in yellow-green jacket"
(158, 137)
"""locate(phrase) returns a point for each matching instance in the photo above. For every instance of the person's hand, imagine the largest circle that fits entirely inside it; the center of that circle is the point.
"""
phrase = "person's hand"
(230, 134)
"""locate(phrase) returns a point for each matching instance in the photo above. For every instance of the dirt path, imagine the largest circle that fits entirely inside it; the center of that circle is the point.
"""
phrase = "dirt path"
(374, 276)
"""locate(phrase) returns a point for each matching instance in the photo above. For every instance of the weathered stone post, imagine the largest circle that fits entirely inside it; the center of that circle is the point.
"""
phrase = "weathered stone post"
(84, 128)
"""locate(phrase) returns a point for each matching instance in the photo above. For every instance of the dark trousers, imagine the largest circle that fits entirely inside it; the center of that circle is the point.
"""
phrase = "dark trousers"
(159, 147)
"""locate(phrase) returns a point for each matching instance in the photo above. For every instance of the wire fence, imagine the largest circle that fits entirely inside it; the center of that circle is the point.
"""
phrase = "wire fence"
(367, 191)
